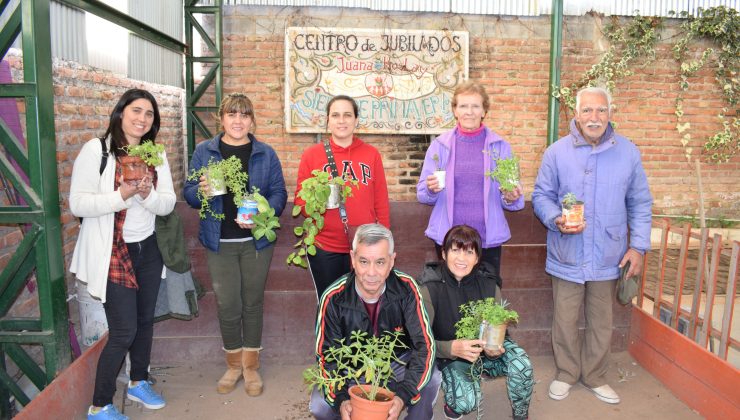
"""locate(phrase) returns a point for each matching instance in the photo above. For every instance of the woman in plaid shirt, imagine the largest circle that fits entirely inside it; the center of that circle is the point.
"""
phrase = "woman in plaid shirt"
(116, 252)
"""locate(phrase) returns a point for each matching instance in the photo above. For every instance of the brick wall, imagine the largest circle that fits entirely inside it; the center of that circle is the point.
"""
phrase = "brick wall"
(511, 57)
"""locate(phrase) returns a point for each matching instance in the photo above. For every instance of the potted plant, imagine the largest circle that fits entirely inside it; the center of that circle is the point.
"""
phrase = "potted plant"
(220, 175)
(138, 157)
(254, 208)
(486, 320)
(439, 172)
(316, 192)
(365, 362)
(506, 173)
(572, 210)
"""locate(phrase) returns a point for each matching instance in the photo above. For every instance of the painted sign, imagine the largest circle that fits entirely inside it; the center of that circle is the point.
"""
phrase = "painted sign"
(402, 80)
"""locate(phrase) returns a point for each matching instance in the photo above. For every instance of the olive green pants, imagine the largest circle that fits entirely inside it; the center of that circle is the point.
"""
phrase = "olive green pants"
(239, 273)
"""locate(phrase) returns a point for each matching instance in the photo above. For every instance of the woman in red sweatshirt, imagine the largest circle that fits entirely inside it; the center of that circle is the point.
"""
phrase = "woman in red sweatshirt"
(368, 203)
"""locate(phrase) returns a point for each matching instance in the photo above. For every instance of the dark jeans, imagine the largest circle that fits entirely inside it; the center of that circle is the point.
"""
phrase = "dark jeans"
(326, 267)
(490, 255)
(130, 314)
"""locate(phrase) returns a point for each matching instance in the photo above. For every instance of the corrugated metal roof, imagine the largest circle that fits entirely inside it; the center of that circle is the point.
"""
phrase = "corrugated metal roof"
(505, 7)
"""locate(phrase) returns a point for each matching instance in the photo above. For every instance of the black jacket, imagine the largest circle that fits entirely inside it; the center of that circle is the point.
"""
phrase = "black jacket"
(341, 311)
(443, 295)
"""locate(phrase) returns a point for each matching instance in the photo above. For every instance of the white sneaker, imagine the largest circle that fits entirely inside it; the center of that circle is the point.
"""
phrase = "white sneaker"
(559, 390)
(606, 393)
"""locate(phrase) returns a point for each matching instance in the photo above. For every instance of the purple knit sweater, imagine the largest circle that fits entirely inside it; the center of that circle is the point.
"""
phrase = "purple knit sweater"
(469, 178)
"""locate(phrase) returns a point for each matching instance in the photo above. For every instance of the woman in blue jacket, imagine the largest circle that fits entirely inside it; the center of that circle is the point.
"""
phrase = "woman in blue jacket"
(238, 264)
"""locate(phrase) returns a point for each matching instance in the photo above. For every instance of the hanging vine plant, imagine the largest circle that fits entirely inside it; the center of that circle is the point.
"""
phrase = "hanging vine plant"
(634, 40)
(720, 26)
(637, 39)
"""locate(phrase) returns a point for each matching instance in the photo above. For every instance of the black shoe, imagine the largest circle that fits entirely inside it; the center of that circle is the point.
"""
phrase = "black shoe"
(450, 414)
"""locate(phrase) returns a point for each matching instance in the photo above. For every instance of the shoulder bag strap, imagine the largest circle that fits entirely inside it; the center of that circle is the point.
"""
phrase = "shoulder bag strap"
(335, 174)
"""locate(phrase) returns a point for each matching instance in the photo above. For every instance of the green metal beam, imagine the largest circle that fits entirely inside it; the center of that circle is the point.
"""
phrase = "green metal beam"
(215, 74)
(10, 31)
(556, 51)
(13, 146)
(14, 389)
(20, 324)
(17, 90)
(26, 364)
(125, 21)
(28, 337)
(23, 254)
(20, 215)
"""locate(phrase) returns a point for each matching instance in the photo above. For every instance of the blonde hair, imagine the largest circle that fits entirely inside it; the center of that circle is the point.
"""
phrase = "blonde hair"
(471, 87)
(237, 102)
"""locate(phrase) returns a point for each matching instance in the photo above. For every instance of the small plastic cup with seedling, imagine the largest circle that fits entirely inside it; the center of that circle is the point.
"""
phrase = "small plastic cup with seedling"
(439, 172)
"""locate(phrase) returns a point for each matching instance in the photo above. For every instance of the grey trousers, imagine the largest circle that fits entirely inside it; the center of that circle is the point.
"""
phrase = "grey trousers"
(422, 410)
(586, 359)
(239, 272)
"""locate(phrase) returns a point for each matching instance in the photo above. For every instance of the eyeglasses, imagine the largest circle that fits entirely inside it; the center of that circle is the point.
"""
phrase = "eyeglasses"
(602, 110)
(236, 95)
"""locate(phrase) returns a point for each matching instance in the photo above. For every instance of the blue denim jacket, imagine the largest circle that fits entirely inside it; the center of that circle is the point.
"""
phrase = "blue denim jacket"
(265, 173)
(610, 180)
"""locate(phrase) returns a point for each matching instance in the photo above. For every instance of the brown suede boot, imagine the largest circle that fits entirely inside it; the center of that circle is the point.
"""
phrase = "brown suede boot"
(252, 378)
(227, 383)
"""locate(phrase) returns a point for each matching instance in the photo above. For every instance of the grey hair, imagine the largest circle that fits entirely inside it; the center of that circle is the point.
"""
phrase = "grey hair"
(594, 89)
(371, 234)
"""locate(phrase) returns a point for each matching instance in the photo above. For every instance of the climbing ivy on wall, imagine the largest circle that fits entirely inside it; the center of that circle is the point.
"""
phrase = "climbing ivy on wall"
(637, 37)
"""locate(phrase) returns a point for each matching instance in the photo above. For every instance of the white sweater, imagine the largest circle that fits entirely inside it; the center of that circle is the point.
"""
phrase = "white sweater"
(93, 198)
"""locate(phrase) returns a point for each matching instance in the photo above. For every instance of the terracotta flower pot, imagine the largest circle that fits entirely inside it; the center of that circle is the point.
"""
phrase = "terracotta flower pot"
(134, 168)
(364, 409)
(573, 216)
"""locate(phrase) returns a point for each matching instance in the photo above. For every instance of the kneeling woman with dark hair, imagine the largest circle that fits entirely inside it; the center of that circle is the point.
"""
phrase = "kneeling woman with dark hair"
(458, 279)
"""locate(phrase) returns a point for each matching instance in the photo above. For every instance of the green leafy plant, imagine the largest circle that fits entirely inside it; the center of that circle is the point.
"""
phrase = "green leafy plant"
(230, 171)
(365, 359)
(474, 312)
(636, 39)
(265, 220)
(720, 26)
(149, 152)
(506, 173)
(437, 166)
(314, 192)
(569, 199)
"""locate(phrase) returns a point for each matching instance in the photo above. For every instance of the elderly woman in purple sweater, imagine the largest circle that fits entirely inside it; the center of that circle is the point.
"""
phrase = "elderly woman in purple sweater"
(468, 196)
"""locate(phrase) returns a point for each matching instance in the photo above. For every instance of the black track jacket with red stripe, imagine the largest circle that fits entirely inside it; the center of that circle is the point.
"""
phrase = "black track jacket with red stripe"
(341, 311)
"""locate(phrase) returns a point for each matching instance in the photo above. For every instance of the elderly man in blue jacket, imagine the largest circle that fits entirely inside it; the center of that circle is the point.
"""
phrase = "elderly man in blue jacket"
(605, 171)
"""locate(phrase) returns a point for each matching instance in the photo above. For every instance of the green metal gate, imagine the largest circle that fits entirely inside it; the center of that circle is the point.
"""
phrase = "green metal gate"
(39, 253)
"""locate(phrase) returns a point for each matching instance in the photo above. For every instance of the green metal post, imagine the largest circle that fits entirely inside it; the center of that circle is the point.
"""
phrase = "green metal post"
(43, 175)
(556, 49)
(195, 125)
(40, 250)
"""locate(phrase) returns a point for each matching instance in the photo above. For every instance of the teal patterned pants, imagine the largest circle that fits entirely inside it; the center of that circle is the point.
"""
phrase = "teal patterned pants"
(463, 392)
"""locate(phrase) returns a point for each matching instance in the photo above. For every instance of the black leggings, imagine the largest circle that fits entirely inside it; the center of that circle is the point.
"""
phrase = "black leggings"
(326, 267)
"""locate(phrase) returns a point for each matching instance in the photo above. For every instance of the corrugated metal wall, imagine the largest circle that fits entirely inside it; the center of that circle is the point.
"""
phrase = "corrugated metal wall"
(87, 39)
(150, 62)
(68, 28)
(506, 7)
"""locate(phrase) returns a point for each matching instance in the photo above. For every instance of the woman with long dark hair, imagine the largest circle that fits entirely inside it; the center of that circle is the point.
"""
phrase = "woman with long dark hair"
(116, 253)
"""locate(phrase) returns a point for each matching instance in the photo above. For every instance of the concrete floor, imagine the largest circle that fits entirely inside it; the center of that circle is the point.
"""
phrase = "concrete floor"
(190, 393)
